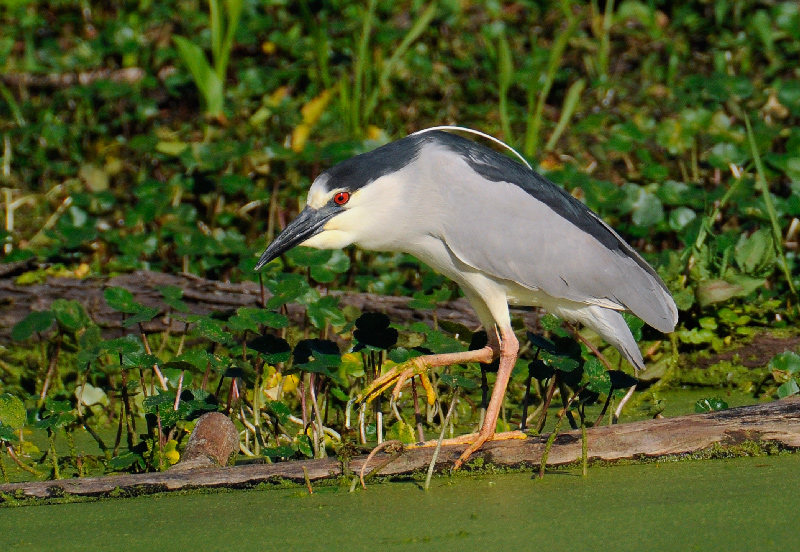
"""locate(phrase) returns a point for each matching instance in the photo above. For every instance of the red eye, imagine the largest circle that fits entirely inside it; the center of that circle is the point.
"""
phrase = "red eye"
(341, 198)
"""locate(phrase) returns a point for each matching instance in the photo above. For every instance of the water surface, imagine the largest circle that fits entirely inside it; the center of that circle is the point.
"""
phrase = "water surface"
(742, 504)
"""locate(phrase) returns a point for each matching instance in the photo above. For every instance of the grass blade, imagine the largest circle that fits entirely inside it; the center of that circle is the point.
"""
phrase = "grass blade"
(505, 66)
(570, 104)
(773, 215)
(535, 115)
(413, 34)
(234, 12)
(361, 62)
(205, 78)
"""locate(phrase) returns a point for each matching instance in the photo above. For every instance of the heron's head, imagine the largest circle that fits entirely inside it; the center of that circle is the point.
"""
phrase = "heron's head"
(351, 202)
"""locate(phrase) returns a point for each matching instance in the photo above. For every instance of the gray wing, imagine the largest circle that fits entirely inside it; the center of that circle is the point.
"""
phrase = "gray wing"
(562, 249)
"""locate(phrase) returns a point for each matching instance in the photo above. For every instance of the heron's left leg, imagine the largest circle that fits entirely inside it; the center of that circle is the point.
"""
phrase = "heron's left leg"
(419, 366)
(509, 347)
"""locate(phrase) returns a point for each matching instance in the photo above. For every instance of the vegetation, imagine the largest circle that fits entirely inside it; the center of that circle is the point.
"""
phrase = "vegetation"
(181, 136)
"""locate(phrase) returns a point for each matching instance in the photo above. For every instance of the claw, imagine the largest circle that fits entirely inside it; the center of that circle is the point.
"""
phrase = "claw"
(378, 386)
(397, 378)
(426, 383)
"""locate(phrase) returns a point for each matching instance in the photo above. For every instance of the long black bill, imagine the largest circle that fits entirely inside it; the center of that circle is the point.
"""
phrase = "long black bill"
(308, 223)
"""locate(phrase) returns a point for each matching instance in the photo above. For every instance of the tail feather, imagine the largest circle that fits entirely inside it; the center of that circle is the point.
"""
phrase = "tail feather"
(611, 326)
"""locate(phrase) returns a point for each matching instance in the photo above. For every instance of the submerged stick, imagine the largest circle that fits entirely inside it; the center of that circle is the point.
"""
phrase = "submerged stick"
(383, 464)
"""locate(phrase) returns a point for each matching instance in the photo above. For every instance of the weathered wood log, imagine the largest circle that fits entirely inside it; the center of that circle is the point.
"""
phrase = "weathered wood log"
(777, 422)
(213, 441)
(67, 80)
(201, 296)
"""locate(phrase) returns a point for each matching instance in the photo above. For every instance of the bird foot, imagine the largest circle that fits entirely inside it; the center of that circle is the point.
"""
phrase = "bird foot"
(397, 377)
(474, 440)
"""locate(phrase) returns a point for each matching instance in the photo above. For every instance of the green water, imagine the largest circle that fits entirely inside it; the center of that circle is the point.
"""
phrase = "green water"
(742, 504)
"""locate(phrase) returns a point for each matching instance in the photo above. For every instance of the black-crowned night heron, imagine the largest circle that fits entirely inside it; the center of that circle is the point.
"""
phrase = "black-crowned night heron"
(501, 231)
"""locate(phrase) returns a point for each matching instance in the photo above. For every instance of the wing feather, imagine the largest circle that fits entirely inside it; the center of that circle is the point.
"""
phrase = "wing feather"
(501, 228)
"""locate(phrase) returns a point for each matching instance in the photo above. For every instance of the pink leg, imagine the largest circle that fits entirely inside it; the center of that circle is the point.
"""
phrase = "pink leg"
(509, 347)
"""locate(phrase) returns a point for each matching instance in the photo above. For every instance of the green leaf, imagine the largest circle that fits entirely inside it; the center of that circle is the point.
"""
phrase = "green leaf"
(287, 290)
(339, 394)
(680, 217)
(145, 314)
(173, 370)
(558, 362)
(125, 461)
(635, 324)
(121, 300)
(172, 296)
(646, 208)
(128, 345)
(249, 318)
(242, 323)
(710, 405)
(6, 433)
(55, 414)
(207, 81)
(193, 359)
(12, 411)
(788, 362)
(213, 330)
(401, 431)
(283, 451)
(279, 410)
(325, 355)
(308, 256)
(401, 354)
(428, 300)
(326, 310)
(717, 291)
(788, 389)
(621, 380)
(708, 322)
(69, 314)
(755, 253)
(550, 322)
(326, 273)
(139, 359)
(597, 376)
(35, 322)
(539, 370)
(373, 331)
(303, 446)
(541, 343)
(272, 349)
(454, 380)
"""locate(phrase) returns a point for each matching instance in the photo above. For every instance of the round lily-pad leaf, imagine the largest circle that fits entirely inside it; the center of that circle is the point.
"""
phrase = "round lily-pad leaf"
(317, 356)
(69, 314)
(12, 411)
(621, 380)
(35, 322)
(558, 362)
(541, 342)
(372, 330)
(120, 299)
(272, 349)
(539, 370)
(454, 380)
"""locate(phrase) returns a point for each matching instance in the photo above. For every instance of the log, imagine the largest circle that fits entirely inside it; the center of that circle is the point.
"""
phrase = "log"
(776, 422)
(202, 297)
(213, 441)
